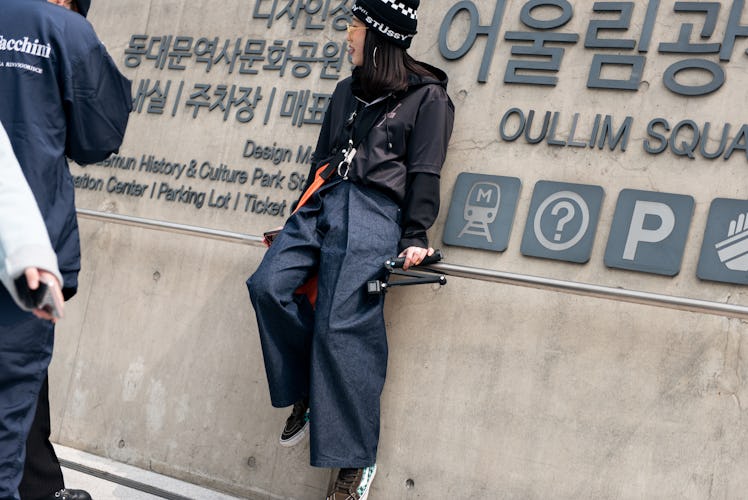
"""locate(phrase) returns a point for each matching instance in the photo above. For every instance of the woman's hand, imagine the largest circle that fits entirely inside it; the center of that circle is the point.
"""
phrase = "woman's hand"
(414, 256)
(33, 277)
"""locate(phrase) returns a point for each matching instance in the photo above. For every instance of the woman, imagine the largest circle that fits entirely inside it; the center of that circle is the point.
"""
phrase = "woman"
(332, 358)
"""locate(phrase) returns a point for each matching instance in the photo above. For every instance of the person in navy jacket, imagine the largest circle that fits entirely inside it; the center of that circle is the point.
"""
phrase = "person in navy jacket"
(62, 96)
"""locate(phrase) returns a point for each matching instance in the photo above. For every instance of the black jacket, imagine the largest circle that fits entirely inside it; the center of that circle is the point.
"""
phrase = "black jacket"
(403, 153)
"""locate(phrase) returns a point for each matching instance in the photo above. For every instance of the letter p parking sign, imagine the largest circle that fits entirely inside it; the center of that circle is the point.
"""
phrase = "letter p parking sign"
(649, 232)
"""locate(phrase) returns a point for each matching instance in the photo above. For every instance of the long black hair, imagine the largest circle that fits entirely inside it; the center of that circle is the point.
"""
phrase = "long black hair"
(386, 66)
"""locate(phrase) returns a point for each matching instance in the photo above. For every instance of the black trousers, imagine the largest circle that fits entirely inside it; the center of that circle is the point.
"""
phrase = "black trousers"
(42, 475)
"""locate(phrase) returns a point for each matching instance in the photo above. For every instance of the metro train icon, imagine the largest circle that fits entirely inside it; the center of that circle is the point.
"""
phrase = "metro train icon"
(481, 208)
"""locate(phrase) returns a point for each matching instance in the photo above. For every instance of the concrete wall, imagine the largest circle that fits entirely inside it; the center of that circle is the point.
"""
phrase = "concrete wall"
(493, 391)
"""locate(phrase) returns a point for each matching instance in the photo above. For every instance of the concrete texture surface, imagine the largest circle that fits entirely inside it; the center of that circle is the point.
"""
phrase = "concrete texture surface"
(106, 479)
(528, 393)
(493, 391)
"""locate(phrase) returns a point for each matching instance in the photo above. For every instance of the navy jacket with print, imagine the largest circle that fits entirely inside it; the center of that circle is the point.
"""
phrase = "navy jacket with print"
(60, 95)
(402, 155)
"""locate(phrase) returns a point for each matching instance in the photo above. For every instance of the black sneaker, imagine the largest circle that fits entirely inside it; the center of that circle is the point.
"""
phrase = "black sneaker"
(296, 425)
(353, 484)
(67, 494)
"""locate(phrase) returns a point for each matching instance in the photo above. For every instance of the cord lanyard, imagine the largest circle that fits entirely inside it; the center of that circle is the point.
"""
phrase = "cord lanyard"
(360, 128)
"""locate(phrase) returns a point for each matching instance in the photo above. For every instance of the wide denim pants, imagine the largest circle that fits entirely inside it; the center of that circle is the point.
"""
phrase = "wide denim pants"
(25, 352)
(335, 354)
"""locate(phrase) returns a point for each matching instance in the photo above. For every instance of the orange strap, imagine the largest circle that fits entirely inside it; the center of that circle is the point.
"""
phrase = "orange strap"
(313, 187)
(309, 288)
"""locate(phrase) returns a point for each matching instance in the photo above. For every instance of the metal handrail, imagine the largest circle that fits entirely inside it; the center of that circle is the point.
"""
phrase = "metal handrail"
(173, 227)
(589, 290)
(577, 288)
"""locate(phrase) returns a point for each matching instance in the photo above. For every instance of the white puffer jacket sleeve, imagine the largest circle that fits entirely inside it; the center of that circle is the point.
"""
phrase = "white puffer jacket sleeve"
(24, 241)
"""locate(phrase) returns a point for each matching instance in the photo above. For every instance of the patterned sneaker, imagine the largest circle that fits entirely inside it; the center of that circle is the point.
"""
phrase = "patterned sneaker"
(353, 484)
(296, 425)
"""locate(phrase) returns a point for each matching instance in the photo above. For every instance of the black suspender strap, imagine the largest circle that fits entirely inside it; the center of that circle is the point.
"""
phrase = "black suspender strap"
(363, 122)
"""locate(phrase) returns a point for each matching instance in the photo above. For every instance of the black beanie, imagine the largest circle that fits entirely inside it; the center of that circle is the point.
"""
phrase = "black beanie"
(83, 6)
(396, 20)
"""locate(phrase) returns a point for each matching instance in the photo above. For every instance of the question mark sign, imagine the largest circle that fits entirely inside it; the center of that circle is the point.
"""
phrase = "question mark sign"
(563, 205)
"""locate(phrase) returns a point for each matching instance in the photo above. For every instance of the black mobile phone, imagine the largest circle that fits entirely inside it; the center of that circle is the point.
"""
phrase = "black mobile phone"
(41, 298)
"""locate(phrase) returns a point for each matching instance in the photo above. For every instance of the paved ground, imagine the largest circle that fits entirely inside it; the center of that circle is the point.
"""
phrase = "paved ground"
(108, 480)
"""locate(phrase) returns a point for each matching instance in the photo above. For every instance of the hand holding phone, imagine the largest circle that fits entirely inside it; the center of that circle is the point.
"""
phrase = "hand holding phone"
(45, 299)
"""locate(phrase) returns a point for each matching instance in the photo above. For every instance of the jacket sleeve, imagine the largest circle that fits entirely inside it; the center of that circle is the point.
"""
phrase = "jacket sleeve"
(24, 241)
(419, 210)
(98, 104)
(427, 150)
(432, 129)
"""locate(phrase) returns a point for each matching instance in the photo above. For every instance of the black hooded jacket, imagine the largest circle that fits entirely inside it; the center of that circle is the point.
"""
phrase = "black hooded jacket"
(403, 153)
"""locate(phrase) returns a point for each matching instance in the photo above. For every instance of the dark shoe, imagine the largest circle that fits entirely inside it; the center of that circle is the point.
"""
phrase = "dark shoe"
(296, 425)
(353, 484)
(67, 494)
